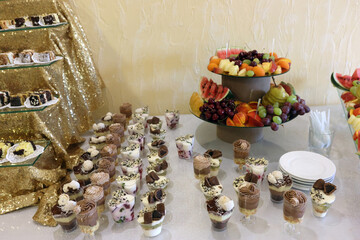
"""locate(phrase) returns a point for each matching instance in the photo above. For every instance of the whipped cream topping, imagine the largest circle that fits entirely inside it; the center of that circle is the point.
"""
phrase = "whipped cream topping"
(187, 139)
(142, 110)
(130, 163)
(71, 185)
(108, 116)
(93, 152)
(226, 203)
(119, 197)
(295, 197)
(101, 177)
(96, 140)
(128, 178)
(87, 166)
(98, 126)
(65, 203)
(94, 192)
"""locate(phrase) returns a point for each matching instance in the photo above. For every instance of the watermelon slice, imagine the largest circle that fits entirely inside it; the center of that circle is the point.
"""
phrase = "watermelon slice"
(209, 89)
(356, 75)
(347, 97)
(340, 82)
(222, 53)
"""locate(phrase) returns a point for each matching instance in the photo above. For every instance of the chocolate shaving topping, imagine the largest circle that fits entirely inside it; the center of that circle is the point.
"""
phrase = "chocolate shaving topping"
(319, 184)
(86, 156)
(158, 194)
(214, 153)
(148, 217)
(156, 215)
(329, 188)
(161, 208)
(213, 181)
(163, 151)
(149, 179)
(157, 143)
(151, 197)
(250, 177)
(154, 176)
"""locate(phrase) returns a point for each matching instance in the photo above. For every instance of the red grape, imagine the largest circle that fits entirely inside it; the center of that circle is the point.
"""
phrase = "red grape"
(211, 101)
(220, 112)
(285, 109)
(208, 115)
(266, 121)
(274, 126)
(306, 108)
(215, 117)
(270, 109)
(283, 117)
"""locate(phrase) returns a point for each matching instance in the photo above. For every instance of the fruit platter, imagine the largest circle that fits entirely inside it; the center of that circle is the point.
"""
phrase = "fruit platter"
(349, 91)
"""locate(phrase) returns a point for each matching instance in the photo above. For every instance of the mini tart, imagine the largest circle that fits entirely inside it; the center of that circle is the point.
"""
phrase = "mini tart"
(152, 198)
(108, 118)
(91, 154)
(211, 187)
(154, 181)
(130, 183)
(131, 152)
(25, 148)
(100, 129)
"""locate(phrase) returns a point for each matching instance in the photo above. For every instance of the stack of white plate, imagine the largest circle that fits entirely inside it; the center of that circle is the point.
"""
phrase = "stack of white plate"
(305, 168)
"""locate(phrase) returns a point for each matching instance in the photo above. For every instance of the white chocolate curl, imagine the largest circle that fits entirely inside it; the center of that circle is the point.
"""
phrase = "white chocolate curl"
(226, 203)
(87, 165)
(277, 174)
(63, 199)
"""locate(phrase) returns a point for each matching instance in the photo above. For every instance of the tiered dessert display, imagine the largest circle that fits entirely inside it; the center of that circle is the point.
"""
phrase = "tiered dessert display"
(349, 91)
(234, 106)
(49, 87)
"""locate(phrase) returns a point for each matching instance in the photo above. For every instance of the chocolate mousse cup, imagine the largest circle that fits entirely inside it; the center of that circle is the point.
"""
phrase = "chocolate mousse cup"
(96, 195)
(87, 216)
(241, 152)
(108, 165)
(294, 206)
(67, 220)
(103, 181)
(248, 199)
(126, 108)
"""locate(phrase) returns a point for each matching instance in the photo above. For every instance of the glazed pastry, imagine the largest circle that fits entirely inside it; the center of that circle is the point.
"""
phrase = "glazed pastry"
(132, 166)
(158, 134)
(91, 154)
(87, 216)
(137, 138)
(25, 148)
(119, 118)
(247, 178)
(100, 129)
(110, 151)
(201, 167)
(108, 165)
(156, 144)
(4, 147)
(185, 146)
(151, 220)
(63, 213)
(136, 128)
(126, 108)
(215, 161)
(151, 198)
(322, 197)
(108, 118)
(155, 182)
(211, 187)
(158, 167)
(241, 149)
(158, 156)
(98, 142)
(101, 177)
(220, 209)
(130, 183)
(117, 128)
(73, 190)
(121, 206)
(172, 118)
(248, 198)
(294, 206)
(278, 184)
(95, 193)
(82, 172)
(257, 166)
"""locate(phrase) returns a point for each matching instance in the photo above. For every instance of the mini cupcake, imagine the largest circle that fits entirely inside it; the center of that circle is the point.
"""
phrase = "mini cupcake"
(131, 152)
(87, 216)
(132, 166)
(151, 220)
(98, 142)
(201, 167)
(82, 172)
(211, 187)
(91, 154)
(100, 129)
(151, 198)
(185, 146)
(110, 151)
(241, 149)
(156, 144)
(101, 177)
(137, 138)
(63, 213)
(158, 167)
(130, 183)
(108, 118)
(73, 190)
(278, 185)
(94, 192)
(118, 129)
(158, 134)
(126, 108)
(172, 118)
(108, 165)
(121, 206)
(322, 197)
(158, 156)
(247, 178)
(215, 161)
(220, 209)
(258, 166)
(136, 128)
(114, 139)
(155, 182)
(119, 118)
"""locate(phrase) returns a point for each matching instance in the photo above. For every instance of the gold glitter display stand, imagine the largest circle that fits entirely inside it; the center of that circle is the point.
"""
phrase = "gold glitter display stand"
(74, 79)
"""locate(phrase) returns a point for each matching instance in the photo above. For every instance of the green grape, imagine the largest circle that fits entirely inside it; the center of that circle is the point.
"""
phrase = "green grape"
(349, 108)
(266, 56)
(356, 82)
(291, 99)
(272, 58)
(276, 105)
(277, 111)
(358, 116)
(260, 108)
(256, 60)
(277, 119)
(262, 113)
(250, 73)
(247, 61)
(353, 90)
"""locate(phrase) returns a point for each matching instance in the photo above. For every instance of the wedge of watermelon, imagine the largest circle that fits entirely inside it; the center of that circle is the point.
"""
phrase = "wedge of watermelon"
(222, 53)
(356, 74)
(341, 82)
(209, 89)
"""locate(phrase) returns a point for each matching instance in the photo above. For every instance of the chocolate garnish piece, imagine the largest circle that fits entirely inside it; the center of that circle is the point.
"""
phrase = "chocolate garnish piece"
(329, 188)
(149, 179)
(148, 217)
(250, 177)
(207, 183)
(157, 143)
(319, 184)
(153, 175)
(157, 168)
(86, 156)
(156, 215)
(163, 151)
(287, 179)
(164, 165)
(35, 21)
(48, 19)
(19, 22)
(1, 153)
(158, 194)
(161, 208)
(213, 153)
(214, 181)
(151, 198)
(156, 131)
(19, 152)
(155, 120)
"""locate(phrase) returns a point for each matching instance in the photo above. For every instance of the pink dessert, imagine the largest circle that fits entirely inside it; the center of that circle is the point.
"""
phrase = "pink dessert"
(121, 206)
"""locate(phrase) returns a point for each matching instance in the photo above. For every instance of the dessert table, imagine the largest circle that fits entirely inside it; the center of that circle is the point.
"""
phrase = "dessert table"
(186, 214)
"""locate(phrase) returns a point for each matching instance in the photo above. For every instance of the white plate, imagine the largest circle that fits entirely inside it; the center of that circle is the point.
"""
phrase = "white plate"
(302, 180)
(301, 187)
(307, 166)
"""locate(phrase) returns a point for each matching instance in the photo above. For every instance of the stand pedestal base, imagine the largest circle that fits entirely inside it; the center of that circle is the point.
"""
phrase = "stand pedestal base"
(230, 134)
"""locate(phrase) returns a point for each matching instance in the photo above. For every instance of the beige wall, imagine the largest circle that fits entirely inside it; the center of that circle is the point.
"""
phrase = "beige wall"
(154, 51)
